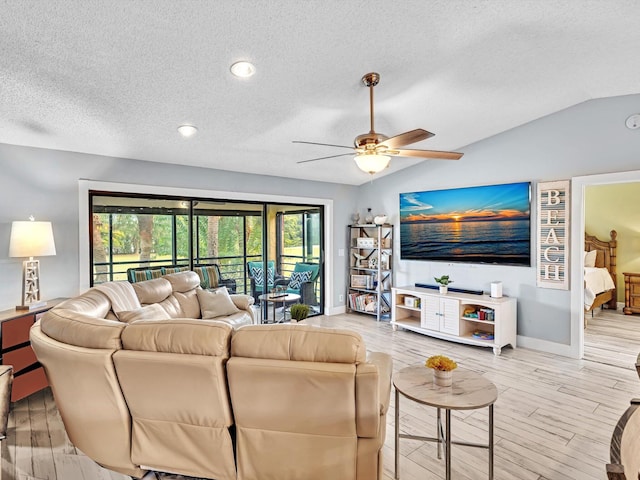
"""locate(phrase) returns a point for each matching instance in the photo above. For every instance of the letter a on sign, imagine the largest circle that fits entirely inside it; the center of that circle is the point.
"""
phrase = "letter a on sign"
(553, 235)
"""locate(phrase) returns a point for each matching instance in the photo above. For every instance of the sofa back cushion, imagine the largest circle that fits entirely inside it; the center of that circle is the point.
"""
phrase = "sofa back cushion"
(183, 281)
(294, 395)
(152, 291)
(172, 374)
(121, 295)
(187, 336)
(152, 311)
(92, 302)
(305, 343)
(73, 328)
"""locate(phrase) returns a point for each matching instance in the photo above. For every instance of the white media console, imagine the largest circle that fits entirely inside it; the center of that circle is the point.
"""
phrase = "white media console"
(460, 317)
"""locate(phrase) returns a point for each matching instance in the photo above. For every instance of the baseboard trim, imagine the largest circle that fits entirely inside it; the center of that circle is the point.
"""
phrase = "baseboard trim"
(335, 310)
(545, 346)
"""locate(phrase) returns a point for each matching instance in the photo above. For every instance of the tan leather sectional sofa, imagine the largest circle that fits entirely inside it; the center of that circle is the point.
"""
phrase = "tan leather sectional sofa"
(209, 398)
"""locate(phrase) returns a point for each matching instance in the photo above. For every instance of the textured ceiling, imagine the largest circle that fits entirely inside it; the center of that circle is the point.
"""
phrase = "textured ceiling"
(116, 77)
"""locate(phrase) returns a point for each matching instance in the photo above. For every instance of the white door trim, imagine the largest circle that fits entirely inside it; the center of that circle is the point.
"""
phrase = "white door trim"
(578, 185)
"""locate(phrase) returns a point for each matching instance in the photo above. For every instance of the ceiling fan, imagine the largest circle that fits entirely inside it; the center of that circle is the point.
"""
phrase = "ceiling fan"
(374, 150)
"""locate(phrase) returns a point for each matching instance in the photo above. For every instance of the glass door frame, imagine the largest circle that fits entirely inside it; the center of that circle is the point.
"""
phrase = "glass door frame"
(191, 251)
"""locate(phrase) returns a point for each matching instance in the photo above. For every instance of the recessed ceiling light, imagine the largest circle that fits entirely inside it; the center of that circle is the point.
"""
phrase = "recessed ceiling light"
(243, 69)
(187, 130)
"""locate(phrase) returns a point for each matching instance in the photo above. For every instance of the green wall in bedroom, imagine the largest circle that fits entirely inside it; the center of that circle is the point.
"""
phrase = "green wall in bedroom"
(616, 207)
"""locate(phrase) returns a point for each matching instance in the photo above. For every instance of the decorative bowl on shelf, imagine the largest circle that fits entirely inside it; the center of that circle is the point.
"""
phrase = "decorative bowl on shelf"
(380, 219)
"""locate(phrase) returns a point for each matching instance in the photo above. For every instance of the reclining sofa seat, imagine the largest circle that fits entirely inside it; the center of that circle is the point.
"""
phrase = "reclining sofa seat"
(307, 403)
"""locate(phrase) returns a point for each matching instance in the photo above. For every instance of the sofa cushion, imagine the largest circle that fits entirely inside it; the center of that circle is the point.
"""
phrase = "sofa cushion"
(121, 294)
(237, 320)
(148, 312)
(189, 304)
(242, 301)
(92, 302)
(181, 335)
(183, 281)
(152, 291)
(81, 330)
(216, 303)
(298, 342)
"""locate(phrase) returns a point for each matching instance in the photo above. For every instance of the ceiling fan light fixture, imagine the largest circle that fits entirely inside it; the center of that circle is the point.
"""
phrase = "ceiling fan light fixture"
(187, 131)
(243, 69)
(371, 162)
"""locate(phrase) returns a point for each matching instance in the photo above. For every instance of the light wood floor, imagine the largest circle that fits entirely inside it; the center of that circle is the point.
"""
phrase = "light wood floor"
(553, 418)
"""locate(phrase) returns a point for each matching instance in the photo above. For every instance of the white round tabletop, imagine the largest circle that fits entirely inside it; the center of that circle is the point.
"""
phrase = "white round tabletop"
(468, 391)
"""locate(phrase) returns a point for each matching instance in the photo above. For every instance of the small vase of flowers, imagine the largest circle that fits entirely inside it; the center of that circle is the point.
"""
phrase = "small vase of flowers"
(444, 282)
(442, 369)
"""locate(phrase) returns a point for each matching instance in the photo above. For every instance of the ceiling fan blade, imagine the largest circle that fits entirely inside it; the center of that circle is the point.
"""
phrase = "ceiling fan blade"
(323, 144)
(324, 158)
(428, 154)
(407, 138)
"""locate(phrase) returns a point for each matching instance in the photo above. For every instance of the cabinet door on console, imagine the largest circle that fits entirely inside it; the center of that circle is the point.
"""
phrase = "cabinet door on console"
(449, 316)
(431, 313)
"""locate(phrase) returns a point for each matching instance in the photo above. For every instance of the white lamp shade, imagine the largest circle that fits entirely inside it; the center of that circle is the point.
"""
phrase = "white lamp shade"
(31, 239)
(372, 163)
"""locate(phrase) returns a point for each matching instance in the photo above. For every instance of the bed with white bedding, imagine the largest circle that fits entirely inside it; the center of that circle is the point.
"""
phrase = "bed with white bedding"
(596, 281)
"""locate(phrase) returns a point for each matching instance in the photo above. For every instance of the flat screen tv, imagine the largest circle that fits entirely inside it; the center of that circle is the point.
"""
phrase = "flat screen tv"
(486, 224)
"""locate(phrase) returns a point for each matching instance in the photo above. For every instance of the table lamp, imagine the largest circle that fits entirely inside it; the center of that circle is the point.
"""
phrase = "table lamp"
(31, 239)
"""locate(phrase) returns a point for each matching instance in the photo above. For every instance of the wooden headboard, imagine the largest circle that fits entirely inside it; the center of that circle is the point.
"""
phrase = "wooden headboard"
(608, 250)
(606, 257)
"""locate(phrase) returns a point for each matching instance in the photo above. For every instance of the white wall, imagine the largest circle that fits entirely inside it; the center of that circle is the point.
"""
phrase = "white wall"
(589, 138)
(45, 183)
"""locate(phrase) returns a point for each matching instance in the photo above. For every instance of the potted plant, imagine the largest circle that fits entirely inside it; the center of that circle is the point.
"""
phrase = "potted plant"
(299, 312)
(442, 369)
(444, 282)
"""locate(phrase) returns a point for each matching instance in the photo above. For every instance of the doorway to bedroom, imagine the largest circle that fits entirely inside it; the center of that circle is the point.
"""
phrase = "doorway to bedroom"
(611, 208)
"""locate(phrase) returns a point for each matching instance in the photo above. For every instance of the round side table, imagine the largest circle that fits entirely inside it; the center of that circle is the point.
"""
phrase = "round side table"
(285, 299)
(469, 391)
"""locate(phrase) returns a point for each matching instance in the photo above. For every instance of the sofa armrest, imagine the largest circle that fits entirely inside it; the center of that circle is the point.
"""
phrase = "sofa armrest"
(384, 362)
(243, 302)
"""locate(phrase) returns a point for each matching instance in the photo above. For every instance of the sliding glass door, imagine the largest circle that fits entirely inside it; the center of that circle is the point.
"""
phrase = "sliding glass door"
(259, 246)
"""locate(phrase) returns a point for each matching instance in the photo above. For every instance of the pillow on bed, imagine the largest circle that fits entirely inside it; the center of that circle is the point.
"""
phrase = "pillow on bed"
(590, 258)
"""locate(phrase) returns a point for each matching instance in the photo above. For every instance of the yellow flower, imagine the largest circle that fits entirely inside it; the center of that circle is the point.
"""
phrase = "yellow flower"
(440, 362)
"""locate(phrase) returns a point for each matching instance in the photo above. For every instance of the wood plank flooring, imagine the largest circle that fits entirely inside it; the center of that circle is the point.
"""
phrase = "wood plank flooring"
(553, 418)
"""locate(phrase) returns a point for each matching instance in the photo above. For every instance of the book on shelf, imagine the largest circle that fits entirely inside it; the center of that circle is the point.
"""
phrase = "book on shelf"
(366, 303)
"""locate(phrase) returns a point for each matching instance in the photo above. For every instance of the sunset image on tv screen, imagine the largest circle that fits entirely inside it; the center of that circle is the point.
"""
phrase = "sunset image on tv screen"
(485, 224)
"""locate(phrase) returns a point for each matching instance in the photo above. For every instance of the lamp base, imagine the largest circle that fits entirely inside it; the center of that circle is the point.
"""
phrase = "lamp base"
(31, 306)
